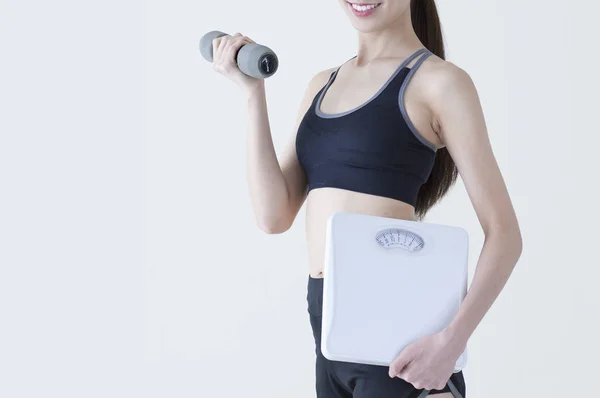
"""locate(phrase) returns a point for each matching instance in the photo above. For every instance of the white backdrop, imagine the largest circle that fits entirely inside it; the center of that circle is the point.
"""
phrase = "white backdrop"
(130, 262)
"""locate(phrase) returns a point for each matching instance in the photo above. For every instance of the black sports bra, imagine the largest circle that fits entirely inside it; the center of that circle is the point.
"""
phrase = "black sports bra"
(373, 148)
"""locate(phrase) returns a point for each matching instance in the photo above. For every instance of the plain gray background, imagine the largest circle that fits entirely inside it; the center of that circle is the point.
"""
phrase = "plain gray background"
(130, 261)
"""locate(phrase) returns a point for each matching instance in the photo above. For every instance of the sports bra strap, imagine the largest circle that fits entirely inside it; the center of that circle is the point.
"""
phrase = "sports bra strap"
(402, 106)
(420, 60)
(338, 68)
(413, 56)
(402, 65)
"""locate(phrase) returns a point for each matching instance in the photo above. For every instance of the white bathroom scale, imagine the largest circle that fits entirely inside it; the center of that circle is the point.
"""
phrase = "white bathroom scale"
(388, 282)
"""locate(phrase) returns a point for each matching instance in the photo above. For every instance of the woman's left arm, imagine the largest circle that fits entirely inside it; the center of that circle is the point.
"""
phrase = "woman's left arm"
(460, 124)
(463, 130)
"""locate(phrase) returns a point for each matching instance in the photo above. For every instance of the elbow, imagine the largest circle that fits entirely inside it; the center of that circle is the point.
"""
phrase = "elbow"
(273, 227)
(516, 240)
(519, 244)
(516, 249)
(510, 238)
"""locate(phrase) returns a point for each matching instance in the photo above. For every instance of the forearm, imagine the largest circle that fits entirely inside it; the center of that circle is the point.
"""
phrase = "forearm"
(268, 191)
(499, 255)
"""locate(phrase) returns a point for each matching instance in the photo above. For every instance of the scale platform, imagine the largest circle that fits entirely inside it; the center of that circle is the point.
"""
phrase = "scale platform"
(388, 282)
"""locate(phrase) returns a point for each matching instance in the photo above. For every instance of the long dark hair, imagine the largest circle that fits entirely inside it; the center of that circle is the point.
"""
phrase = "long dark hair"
(426, 23)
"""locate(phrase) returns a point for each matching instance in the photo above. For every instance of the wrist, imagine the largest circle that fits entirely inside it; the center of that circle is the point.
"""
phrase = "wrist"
(455, 336)
(256, 90)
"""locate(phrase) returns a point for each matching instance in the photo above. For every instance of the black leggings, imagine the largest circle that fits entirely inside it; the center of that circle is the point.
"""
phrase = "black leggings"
(336, 379)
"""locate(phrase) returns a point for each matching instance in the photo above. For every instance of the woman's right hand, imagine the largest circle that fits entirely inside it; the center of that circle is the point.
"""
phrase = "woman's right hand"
(225, 49)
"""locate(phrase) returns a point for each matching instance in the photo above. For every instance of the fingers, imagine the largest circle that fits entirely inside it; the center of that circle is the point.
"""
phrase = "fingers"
(400, 363)
(218, 45)
(245, 37)
(224, 41)
(420, 378)
(232, 48)
(410, 374)
(439, 386)
(225, 49)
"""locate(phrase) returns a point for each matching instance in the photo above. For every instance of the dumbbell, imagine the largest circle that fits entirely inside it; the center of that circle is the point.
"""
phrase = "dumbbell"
(252, 59)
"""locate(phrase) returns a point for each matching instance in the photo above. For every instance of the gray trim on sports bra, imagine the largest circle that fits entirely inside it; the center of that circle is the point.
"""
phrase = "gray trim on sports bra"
(334, 74)
(410, 124)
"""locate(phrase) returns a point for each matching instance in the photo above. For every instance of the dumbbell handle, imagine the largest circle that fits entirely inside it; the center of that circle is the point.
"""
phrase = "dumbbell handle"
(252, 59)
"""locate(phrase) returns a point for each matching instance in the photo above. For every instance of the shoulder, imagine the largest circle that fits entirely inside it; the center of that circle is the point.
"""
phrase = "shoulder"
(452, 98)
(316, 83)
(320, 79)
(445, 81)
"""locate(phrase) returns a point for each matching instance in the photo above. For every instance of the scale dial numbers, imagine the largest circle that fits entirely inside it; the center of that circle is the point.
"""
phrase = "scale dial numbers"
(392, 238)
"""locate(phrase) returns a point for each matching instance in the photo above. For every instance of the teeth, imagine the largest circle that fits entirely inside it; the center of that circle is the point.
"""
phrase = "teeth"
(363, 8)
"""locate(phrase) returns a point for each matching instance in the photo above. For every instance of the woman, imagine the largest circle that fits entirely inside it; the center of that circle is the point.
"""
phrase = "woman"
(366, 141)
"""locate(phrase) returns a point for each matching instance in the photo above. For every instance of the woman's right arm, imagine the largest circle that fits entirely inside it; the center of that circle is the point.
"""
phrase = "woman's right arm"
(277, 186)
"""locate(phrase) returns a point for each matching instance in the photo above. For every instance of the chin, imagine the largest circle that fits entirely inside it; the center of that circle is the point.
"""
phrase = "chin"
(368, 26)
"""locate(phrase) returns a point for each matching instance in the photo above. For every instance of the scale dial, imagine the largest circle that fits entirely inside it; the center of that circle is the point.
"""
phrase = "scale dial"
(392, 238)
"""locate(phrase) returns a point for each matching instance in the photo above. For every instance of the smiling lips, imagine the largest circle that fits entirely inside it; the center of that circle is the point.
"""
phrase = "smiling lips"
(363, 9)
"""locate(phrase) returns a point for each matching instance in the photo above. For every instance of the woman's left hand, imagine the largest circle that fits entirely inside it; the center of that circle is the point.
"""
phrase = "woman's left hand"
(428, 362)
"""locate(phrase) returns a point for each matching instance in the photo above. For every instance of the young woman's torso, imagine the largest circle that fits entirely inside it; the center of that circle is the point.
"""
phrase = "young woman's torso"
(366, 143)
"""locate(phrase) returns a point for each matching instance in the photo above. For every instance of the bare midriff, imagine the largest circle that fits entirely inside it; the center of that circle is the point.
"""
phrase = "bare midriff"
(321, 203)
